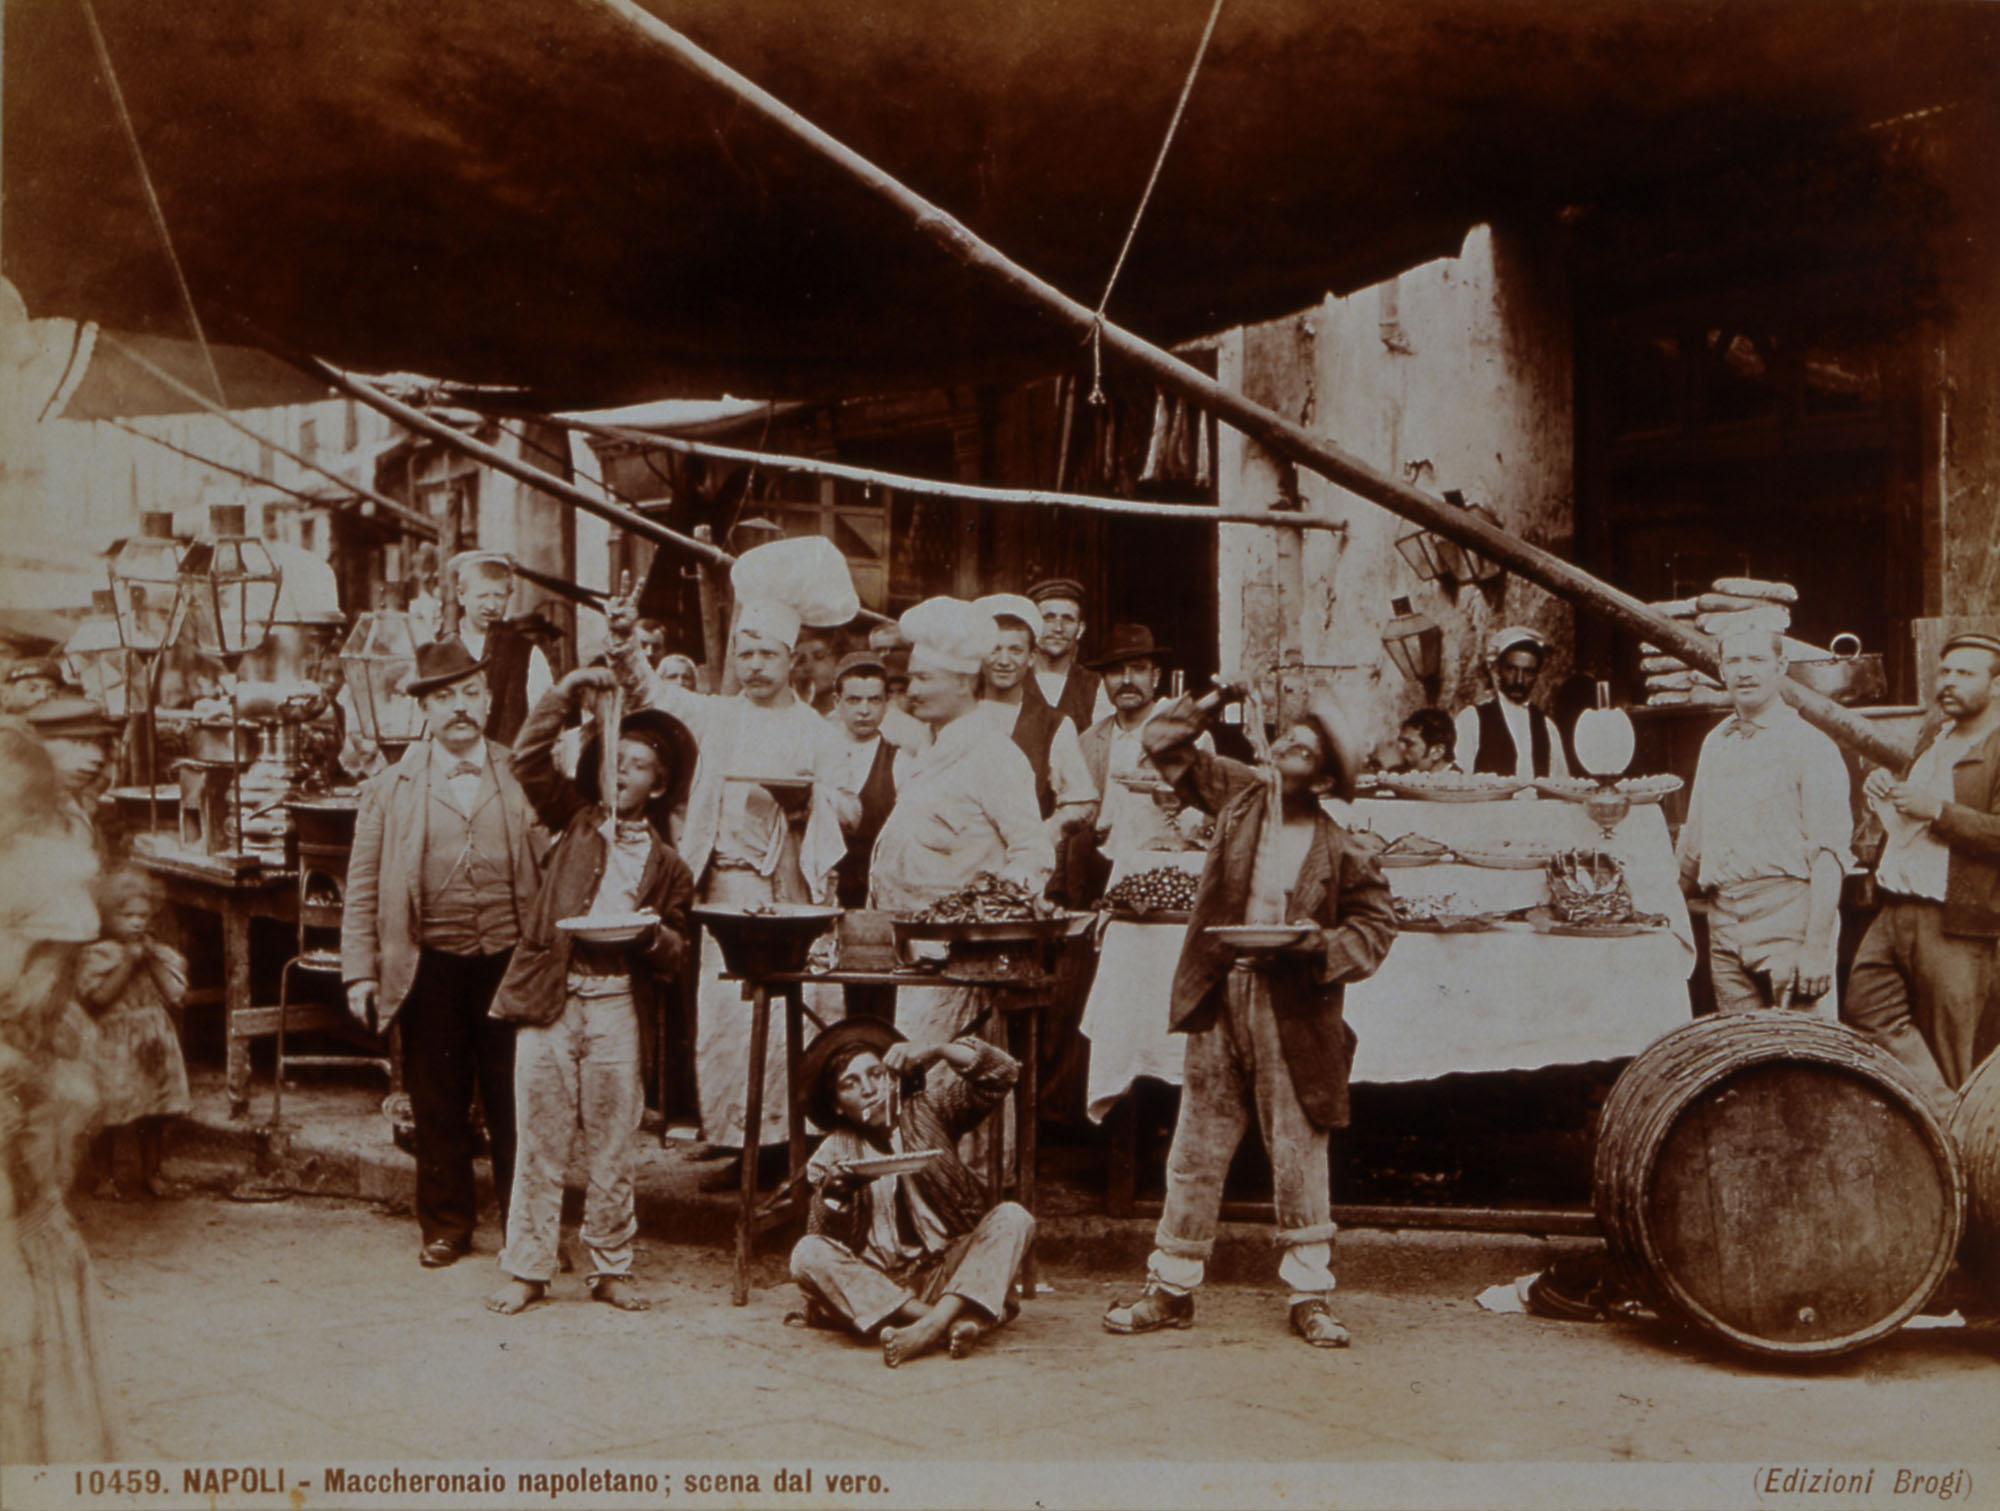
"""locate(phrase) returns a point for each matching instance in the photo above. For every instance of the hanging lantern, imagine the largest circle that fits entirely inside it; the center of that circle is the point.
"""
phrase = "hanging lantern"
(96, 655)
(1416, 646)
(229, 587)
(379, 656)
(1431, 556)
(1474, 566)
(145, 584)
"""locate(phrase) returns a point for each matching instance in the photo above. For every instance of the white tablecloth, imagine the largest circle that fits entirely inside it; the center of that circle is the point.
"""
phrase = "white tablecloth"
(1441, 1003)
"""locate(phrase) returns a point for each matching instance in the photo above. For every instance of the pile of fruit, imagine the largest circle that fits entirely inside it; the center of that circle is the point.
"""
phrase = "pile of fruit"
(985, 899)
(1165, 889)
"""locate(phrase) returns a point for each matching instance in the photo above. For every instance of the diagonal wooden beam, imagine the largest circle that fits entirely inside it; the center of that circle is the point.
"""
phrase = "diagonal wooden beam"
(1271, 430)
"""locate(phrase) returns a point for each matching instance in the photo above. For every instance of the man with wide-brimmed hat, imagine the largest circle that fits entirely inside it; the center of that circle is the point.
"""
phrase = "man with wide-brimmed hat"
(1265, 1034)
(442, 874)
(517, 673)
(1129, 821)
(578, 1003)
(1506, 734)
(920, 1258)
(1065, 683)
(1925, 982)
(81, 739)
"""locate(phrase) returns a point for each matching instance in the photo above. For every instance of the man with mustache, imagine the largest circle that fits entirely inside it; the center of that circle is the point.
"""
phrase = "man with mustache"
(1129, 821)
(1506, 734)
(1766, 838)
(442, 873)
(1924, 983)
(744, 848)
(1068, 686)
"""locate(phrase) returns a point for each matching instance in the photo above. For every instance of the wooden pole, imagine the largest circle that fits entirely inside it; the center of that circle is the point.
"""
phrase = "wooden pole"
(1273, 431)
(407, 517)
(971, 492)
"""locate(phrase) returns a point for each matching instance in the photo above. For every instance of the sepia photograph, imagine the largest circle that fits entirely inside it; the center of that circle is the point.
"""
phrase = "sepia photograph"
(999, 753)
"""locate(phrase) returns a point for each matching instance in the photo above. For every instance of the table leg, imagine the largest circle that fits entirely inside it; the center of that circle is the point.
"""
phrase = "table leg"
(753, 1126)
(1000, 1035)
(795, 1126)
(235, 1004)
(1027, 1113)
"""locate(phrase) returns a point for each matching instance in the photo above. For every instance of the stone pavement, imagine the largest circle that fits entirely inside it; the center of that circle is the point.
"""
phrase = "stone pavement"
(304, 1331)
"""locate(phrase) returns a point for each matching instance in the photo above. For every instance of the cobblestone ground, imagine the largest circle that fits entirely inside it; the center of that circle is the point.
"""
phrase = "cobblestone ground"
(306, 1329)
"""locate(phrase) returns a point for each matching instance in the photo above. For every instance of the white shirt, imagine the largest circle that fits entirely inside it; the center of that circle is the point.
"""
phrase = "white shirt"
(1131, 820)
(1915, 862)
(1051, 684)
(1069, 773)
(1516, 715)
(857, 759)
(464, 786)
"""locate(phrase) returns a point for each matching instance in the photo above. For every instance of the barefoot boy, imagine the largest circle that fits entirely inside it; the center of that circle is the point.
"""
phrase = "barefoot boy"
(576, 1057)
(921, 1256)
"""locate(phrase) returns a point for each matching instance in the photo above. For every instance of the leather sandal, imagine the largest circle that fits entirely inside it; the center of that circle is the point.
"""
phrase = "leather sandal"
(1156, 1308)
(1315, 1322)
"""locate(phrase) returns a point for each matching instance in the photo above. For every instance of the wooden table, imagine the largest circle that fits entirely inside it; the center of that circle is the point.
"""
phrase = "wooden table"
(1018, 1003)
(204, 884)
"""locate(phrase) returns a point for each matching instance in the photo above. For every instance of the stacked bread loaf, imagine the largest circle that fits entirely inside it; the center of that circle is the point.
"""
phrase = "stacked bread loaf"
(1734, 604)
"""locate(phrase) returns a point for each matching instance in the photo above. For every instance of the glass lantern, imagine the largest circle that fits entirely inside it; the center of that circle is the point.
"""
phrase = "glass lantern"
(380, 655)
(97, 658)
(1416, 645)
(229, 587)
(145, 584)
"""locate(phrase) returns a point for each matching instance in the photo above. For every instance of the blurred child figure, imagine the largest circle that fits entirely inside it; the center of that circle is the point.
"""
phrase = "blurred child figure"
(134, 986)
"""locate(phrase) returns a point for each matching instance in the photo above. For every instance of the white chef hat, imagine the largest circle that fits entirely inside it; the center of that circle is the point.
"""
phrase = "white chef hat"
(949, 635)
(1503, 641)
(786, 583)
(1014, 606)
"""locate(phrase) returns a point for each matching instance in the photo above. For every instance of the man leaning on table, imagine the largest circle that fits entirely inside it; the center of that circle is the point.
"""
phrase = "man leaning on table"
(1766, 838)
(1265, 1032)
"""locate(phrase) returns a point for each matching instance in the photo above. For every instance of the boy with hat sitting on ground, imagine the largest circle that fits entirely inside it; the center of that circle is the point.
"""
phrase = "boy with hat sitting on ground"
(919, 1256)
(1265, 1036)
(576, 1054)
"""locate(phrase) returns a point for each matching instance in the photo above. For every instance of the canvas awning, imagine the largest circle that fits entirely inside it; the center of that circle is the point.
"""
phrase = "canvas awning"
(531, 193)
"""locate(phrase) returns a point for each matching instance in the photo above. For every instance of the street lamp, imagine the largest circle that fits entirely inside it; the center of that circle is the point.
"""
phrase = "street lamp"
(228, 593)
(1436, 558)
(145, 574)
(379, 656)
(1416, 646)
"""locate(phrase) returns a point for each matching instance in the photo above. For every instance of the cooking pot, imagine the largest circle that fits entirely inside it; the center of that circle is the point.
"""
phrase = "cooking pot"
(1846, 676)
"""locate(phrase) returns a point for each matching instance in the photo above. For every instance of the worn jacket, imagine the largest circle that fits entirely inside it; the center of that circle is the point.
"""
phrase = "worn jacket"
(1339, 887)
(1969, 826)
(533, 989)
(381, 923)
(932, 1119)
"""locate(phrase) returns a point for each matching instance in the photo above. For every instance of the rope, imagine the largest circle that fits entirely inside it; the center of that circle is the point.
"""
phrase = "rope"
(152, 196)
(1132, 231)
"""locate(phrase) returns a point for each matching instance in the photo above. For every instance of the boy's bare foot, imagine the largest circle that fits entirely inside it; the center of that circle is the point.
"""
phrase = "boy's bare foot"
(920, 1337)
(161, 1189)
(965, 1336)
(618, 1291)
(515, 1296)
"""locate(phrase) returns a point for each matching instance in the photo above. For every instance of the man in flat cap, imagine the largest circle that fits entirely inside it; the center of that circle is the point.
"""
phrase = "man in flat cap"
(443, 872)
(1924, 984)
(30, 681)
(80, 738)
(1265, 1032)
(1507, 735)
(517, 673)
(1071, 688)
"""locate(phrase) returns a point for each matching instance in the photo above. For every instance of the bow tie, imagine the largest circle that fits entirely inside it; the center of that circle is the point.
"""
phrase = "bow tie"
(463, 768)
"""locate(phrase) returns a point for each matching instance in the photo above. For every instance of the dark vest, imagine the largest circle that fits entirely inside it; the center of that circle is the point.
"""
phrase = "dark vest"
(1496, 741)
(1078, 702)
(878, 796)
(507, 679)
(1035, 731)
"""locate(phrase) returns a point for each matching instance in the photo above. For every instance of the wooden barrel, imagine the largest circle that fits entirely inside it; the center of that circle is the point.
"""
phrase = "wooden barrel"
(1778, 1181)
(1975, 1128)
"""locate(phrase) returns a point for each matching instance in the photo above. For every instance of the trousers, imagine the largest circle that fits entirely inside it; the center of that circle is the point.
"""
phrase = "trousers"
(451, 1046)
(580, 1072)
(1235, 1069)
(1747, 923)
(979, 1267)
(1930, 998)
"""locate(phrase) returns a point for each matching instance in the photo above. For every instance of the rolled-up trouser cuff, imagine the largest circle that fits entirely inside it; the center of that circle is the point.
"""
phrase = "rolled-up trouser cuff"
(1183, 1248)
(1319, 1232)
